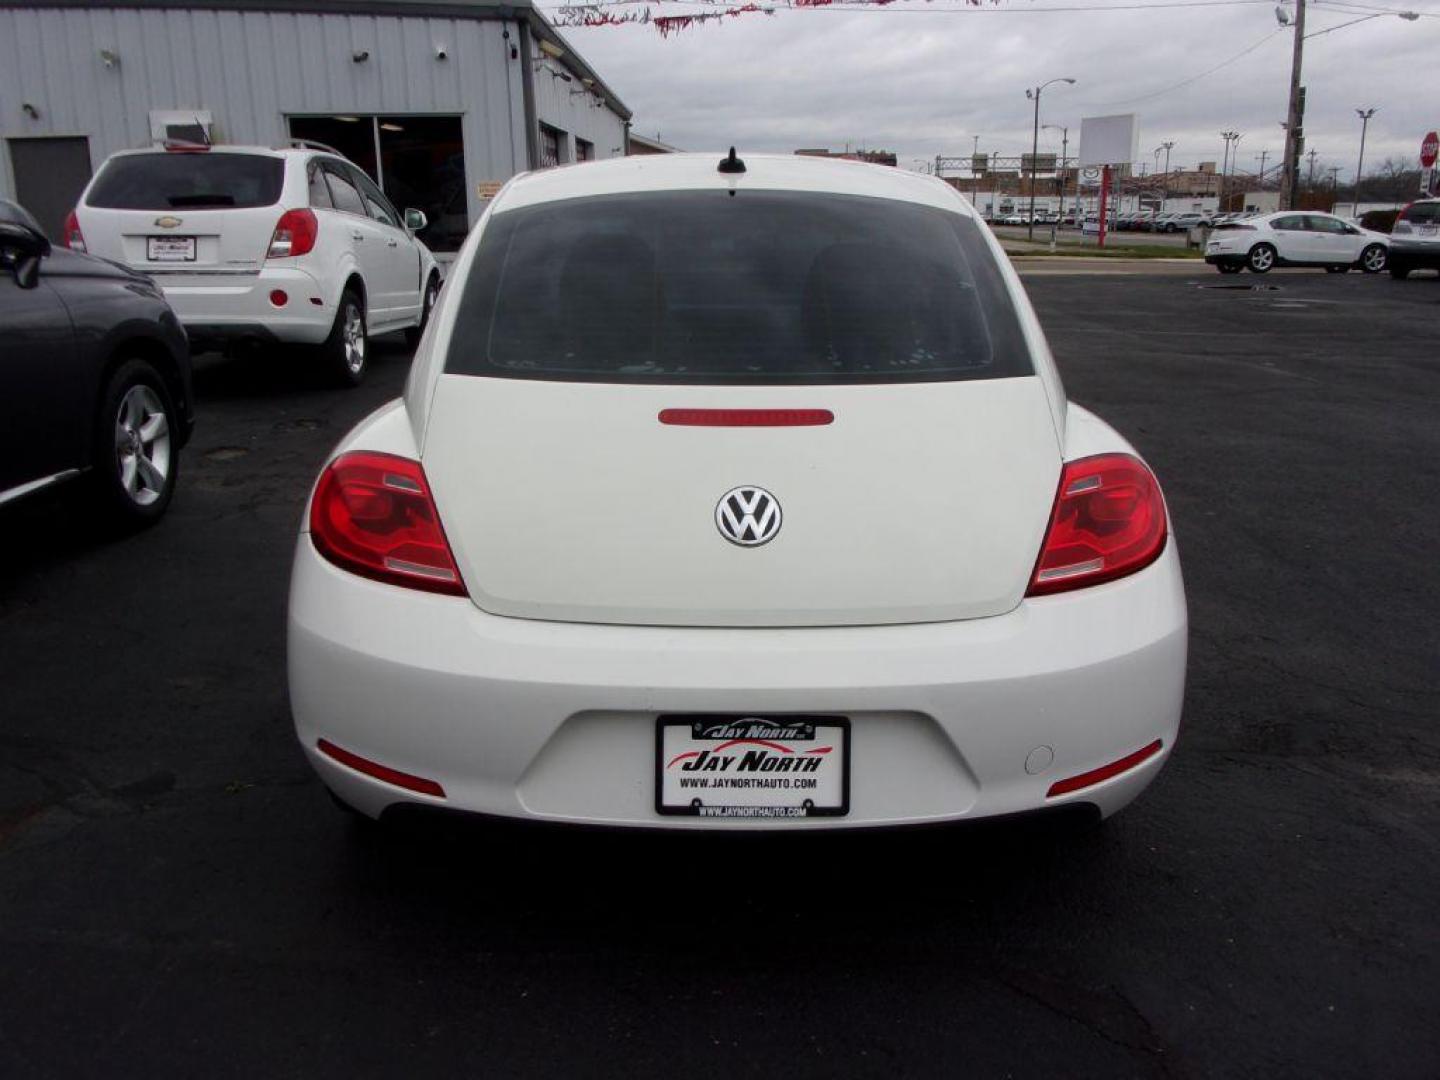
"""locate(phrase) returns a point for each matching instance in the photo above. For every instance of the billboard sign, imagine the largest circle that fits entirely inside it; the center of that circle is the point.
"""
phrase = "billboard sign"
(1040, 163)
(1109, 140)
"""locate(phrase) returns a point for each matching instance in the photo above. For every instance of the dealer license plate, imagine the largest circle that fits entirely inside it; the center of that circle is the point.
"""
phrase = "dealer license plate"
(170, 248)
(739, 766)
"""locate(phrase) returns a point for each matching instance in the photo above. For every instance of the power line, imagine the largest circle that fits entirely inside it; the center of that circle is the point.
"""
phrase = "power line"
(1269, 35)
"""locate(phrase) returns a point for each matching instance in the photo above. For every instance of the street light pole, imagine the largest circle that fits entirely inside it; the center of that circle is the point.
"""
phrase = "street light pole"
(974, 176)
(1364, 115)
(1060, 177)
(1035, 148)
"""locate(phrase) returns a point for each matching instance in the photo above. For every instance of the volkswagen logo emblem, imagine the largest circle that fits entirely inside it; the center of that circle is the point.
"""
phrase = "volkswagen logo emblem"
(748, 516)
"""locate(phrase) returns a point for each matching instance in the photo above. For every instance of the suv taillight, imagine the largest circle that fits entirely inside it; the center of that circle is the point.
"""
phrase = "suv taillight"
(1108, 521)
(73, 239)
(372, 514)
(294, 234)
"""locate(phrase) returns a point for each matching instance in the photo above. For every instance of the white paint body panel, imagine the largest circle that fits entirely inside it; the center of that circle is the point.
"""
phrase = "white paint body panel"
(555, 720)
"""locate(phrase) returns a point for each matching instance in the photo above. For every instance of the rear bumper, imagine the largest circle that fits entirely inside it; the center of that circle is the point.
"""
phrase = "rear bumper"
(1414, 253)
(217, 309)
(556, 721)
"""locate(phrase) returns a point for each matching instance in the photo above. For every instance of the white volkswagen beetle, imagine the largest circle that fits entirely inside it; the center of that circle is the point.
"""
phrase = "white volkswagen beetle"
(735, 494)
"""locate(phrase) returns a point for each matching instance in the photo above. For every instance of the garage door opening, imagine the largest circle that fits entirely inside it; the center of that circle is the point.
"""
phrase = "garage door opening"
(418, 161)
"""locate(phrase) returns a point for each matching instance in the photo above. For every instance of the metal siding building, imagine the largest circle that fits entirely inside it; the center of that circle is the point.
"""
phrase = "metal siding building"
(79, 81)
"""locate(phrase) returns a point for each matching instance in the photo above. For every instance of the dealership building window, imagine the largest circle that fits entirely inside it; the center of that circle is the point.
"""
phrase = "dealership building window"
(550, 142)
(418, 161)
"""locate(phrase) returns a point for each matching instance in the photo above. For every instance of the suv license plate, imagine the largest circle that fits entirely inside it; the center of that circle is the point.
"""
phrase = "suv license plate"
(170, 248)
(742, 766)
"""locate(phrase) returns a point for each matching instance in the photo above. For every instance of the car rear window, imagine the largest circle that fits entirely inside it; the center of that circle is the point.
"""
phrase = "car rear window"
(1425, 212)
(759, 287)
(201, 181)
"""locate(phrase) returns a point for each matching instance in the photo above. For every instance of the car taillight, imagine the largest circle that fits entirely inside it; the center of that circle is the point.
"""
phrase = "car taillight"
(373, 515)
(1404, 211)
(73, 239)
(294, 234)
(1108, 521)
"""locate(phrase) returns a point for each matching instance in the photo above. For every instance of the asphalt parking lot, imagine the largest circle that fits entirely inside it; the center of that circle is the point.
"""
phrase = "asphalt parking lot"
(178, 896)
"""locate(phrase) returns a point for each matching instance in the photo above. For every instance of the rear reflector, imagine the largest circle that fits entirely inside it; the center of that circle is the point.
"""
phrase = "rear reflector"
(381, 772)
(747, 417)
(1105, 772)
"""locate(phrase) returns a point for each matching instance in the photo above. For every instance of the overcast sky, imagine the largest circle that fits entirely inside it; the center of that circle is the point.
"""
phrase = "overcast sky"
(926, 81)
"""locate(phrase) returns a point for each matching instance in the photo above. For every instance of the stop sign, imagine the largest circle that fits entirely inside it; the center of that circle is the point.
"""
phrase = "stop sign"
(1428, 149)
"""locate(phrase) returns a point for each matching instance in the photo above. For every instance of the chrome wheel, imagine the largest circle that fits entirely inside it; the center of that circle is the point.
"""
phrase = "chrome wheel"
(1373, 259)
(352, 338)
(142, 445)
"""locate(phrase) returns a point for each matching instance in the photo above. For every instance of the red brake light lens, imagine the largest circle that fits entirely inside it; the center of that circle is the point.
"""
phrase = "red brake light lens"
(294, 234)
(1108, 521)
(747, 417)
(73, 239)
(372, 514)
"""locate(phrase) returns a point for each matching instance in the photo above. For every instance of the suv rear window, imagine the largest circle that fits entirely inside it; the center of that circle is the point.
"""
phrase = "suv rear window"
(1422, 212)
(195, 181)
(760, 287)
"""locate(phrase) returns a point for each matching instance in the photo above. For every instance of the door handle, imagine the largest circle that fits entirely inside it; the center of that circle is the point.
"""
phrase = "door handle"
(357, 236)
(392, 243)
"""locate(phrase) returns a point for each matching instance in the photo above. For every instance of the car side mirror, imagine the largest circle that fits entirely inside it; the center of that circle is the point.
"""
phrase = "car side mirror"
(415, 220)
(21, 249)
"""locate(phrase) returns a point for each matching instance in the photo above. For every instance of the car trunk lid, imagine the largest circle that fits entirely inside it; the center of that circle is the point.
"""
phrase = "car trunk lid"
(572, 501)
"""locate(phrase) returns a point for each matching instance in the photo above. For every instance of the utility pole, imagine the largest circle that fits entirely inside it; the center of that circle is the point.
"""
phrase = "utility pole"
(1262, 156)
(1334, 185)
(974, 176)
(1225, 169)
(1167, 146)
(1364, 115)
(1295, 117)
(1310, 180)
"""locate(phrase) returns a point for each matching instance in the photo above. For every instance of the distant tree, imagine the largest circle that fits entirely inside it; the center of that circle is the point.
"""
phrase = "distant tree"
(1392, 180)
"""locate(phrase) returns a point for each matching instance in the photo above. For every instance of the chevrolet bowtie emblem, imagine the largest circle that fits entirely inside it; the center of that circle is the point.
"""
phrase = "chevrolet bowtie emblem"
(167, 222)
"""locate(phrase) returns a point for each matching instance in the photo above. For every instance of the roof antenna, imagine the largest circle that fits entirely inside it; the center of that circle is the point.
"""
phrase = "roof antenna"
(732, 164)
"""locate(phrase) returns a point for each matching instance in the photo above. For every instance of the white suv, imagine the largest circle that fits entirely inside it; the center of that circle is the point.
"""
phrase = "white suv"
(252, 244)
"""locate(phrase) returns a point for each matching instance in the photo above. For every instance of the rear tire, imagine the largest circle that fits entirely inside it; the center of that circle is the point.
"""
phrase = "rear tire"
(1374, 259)
(1261, 259)
(346, 351)
(136, 456)
(427, 304)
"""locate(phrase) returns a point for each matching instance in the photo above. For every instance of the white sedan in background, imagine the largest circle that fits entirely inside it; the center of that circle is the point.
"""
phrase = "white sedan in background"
(1262, 243)
(736, 494)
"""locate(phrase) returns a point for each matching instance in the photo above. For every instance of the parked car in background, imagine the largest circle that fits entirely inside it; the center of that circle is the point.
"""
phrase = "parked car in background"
(292, 246)
(1295, 239)
(1181, 222)
(1415, 239)
(1382, 221)
(94, 377)
(480, 621)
